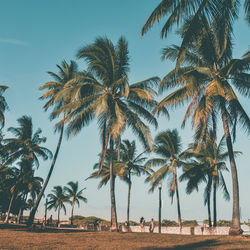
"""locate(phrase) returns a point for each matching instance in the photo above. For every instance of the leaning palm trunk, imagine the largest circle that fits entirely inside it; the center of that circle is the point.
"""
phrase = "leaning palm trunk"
(214, 201)
(114, 226)
(39, 197)
(10, 205)
(235, 228)
(178, 200)
(129, 192)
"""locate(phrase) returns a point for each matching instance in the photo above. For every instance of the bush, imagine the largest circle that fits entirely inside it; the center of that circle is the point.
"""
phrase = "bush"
(80, 220)
(169, 223)
(224, 223)
(189, 223)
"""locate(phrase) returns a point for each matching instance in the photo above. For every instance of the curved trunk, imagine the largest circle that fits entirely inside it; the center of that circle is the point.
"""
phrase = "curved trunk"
(214, 200)
(235, 229)
(72, 211)
(114, 226)
(39, 197)
(178, 200)
(129, 191)
(10, 205)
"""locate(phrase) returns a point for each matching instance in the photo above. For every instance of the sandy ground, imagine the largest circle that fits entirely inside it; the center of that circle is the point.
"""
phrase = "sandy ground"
(19, 238)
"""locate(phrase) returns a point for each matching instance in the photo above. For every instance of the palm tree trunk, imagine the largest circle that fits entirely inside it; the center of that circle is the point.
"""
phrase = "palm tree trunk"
(129, 191)
(118, 148)
(105, 138)
(20, 213)
(214, 201)
(209, 210)
(72, 211)
(58, 216)
(235, 228)
(10, 205)
(178, 200)
(114, 226)
(39, 197)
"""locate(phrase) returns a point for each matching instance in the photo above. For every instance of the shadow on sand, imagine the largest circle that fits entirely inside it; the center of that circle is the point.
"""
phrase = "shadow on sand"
(196, 245)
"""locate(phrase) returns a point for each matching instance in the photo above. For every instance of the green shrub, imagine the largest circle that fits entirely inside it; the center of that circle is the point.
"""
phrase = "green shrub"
(189, 223)
(80, 220)
(169, 223)
(224, 223)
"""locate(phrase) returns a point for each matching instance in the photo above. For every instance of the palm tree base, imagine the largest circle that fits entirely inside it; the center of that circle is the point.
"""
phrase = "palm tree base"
(114, 229)
(234, 231)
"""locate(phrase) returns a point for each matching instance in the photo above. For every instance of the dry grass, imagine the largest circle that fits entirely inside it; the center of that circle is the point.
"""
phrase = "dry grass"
(19, 238)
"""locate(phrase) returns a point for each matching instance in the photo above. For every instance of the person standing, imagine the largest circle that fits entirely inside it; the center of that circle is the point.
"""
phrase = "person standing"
(142, 224)
(152, 226)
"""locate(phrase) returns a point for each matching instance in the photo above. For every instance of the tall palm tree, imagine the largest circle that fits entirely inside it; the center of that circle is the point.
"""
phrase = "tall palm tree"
(221, 12)
(208, 79)
(67, 73)
(211, 163)
(132, 164)
(57, 198)
(74, 195)
(167, 146)
(104, 93)
(26, 144)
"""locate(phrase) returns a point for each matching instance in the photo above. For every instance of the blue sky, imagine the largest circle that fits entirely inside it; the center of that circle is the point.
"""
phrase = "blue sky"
(37, 35)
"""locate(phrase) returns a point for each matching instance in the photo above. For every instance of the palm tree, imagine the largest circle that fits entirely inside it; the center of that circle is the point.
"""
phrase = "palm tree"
(221, 12)
(207, 79)
(167, 146)
(104, 174)
(74, 195)
(211, 163)
(25, 183)
(31, 186)
(15, 172)
(57, 198)
(25, 145)
(131, 163)
(104, 93)
(3, 105)
(67, 73)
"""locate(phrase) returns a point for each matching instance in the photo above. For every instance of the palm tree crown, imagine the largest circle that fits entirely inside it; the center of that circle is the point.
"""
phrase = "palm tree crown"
(74, 195)
(57, 198)
(25, 144)
(167, 146)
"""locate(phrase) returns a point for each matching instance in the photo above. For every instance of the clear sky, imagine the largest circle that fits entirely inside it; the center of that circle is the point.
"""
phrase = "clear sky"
(37, 35)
